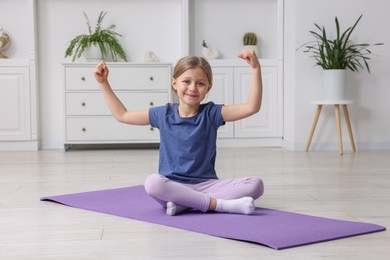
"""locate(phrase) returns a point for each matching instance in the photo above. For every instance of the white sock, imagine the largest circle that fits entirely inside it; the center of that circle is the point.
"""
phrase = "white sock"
(173, 209)
(245, 205)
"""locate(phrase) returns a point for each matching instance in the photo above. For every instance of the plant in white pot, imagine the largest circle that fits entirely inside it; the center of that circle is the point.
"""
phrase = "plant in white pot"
(249, 41)
(97, 44)
(337, 55)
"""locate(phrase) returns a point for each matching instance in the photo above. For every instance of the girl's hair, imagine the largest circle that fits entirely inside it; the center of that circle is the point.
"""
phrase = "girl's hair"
(190, 62)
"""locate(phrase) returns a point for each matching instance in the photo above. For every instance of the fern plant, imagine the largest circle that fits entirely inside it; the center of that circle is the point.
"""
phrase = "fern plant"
(105, 38)
(338, 53)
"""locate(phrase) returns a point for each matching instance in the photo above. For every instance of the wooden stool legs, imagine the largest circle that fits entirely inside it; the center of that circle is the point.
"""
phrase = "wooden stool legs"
(313, 127)
(346, 114)
(337, 111)
(338, 124)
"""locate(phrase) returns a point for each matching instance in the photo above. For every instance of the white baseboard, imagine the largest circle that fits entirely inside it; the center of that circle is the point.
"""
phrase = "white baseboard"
(258, 142)
(19, 146)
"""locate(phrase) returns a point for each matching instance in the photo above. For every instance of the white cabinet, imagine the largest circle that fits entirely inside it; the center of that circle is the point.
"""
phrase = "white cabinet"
(14, 103)
(17, 113)
(87, 118)
(231, 85)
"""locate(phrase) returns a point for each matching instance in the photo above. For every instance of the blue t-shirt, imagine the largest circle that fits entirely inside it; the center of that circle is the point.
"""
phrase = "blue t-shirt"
(187, 145)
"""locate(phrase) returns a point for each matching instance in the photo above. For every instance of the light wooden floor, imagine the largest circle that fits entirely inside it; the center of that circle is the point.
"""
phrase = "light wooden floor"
(355, 186)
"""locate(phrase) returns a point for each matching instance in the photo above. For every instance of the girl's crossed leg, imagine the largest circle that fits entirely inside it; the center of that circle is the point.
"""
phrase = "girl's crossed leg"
(227, 195)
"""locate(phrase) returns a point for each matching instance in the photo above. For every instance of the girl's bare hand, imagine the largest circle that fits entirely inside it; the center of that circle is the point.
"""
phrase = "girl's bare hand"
(101, 72)
(250, 57)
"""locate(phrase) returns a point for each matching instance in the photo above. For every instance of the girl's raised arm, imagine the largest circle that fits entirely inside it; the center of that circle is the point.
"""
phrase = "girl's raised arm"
(239, 111)
(118, 110)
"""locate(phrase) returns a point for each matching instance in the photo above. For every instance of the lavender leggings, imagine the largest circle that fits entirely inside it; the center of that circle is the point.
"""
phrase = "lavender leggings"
(197, 196)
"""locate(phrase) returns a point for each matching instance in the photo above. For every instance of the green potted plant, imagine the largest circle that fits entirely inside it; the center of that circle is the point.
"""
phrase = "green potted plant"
(249, 41)
(105, 39)
(337, 55)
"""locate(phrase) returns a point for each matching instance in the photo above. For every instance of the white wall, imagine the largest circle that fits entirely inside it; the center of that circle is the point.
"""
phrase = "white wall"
(370, 92)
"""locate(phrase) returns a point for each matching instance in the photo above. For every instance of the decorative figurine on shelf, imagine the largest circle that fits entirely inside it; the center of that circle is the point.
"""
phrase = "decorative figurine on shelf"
(209, 53)
(150, 57)
(5, 43)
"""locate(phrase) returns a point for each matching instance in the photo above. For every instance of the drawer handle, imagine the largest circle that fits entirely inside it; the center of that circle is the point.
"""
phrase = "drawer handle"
(151, 129)
(151, 78)
(151, 103)
(84, 129)
(83, 78)
(83, 104)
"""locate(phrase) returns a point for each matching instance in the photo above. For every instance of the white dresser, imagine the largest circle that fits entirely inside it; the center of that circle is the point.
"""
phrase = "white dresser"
(87, 118)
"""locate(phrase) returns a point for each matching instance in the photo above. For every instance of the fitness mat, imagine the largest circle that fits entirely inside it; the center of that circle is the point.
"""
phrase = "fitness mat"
(273, 228)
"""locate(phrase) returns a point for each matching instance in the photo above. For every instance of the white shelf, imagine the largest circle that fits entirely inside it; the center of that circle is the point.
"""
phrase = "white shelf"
(14, 63)
(239, 62)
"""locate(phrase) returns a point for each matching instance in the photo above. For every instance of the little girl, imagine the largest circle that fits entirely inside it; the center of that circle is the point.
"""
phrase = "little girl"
(188, 133)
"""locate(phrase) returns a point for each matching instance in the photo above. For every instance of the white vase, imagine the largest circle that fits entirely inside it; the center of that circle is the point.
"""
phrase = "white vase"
(334, 84)
(93, 53)
(252, 48)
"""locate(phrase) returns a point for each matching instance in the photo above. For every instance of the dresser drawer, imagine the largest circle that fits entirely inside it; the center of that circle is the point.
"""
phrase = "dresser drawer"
(107, 129)
(120, 77)
(92, 103)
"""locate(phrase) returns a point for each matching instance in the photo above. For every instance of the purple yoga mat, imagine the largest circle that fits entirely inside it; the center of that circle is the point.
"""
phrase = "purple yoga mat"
(274, 228)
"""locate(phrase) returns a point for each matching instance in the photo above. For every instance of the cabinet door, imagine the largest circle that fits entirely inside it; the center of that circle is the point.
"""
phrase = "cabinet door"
(222, 93)
(264, 123)
(14, 104)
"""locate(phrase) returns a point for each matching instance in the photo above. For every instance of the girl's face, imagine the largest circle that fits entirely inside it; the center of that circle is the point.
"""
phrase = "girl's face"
(192, 86)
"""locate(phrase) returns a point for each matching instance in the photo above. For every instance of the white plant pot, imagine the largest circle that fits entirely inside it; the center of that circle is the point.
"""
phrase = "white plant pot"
(251, 48)
(334, 84)
(93, 53)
